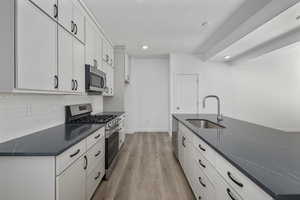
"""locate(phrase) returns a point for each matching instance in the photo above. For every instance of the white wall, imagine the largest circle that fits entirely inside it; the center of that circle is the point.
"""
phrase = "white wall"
(22, 114)
(147, 95)
(265, 90)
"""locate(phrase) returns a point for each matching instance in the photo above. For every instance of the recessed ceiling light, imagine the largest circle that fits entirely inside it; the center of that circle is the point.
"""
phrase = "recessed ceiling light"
(145, 47)
(227, 57)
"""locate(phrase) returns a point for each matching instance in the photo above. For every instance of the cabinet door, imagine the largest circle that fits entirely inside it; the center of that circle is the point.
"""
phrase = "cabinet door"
(78, 18)
(70, 185)
(48, 6)
(90, 43)
(105, 53)
(109, 79)
(111, 55)
(65, 62)
(180, 147)
(65, 10)
(98, 55)
(78, 65)
(36, 48)
(112, 76)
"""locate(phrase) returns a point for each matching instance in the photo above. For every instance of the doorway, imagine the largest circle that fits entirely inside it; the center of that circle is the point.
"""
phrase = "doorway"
(186, 93)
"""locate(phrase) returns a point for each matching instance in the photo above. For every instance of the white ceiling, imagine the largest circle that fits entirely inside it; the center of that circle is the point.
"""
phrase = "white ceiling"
(165, 25)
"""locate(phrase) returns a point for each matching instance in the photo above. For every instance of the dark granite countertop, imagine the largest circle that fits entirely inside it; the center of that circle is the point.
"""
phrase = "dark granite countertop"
(269, 157)
(49, 142)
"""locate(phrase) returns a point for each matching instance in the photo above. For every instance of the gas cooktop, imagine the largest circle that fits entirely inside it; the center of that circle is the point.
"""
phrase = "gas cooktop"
(94, 119)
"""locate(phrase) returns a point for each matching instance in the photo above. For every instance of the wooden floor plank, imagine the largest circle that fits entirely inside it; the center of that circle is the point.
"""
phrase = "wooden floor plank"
(146, 170)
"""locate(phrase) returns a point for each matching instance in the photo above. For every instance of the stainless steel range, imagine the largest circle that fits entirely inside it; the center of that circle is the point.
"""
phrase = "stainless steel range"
(81, 114)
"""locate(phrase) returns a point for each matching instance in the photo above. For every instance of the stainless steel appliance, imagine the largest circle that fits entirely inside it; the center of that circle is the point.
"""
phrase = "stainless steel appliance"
(81, 114)
(175, 136)
(95, 79)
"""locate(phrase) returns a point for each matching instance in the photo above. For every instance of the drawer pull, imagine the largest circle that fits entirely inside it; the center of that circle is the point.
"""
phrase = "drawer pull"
(74, 154)
(86, 163)
(230, 194)
(97, 176)
(202, 165)
(98, 153)
(96, 137)
(200, 180)
(200, 147)
(233, 179)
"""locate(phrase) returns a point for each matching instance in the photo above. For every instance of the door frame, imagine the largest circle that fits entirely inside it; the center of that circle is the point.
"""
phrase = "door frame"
(175, 75)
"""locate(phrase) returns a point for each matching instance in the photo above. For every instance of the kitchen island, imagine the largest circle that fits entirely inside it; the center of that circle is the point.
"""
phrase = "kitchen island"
(267, 157)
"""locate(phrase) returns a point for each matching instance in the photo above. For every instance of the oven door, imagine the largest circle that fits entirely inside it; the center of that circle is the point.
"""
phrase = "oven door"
(111, 147)
(95, 79)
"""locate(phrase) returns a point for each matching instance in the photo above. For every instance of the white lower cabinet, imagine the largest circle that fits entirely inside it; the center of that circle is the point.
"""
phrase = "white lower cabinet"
(210, 176)
(70, 185)
(79, 180)
(95, 177)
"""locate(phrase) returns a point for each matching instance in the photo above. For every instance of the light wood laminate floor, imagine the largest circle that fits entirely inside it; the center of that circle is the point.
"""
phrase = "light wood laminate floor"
(146, 170)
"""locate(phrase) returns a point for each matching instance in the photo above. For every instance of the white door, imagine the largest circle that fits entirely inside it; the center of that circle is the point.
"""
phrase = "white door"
(70, 185)
(78, 18)
(48, 6)
(78, 65)
(65, 11)
(36, 48)
(186, 93)
(65, 61)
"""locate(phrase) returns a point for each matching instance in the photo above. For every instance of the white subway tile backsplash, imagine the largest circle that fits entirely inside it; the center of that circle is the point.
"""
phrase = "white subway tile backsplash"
(23, 114)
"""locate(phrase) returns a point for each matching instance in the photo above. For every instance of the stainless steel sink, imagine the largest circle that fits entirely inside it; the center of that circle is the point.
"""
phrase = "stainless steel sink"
(204, 124)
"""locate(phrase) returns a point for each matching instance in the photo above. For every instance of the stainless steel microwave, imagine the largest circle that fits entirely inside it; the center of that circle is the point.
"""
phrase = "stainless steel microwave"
(95, 79)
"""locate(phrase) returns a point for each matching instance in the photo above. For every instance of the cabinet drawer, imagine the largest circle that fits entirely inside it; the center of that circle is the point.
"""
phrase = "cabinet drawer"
(95, 137)
(94, 178)
(204, 188)
(95, 154)
(239, 182)
(69, 156)
(203, 148)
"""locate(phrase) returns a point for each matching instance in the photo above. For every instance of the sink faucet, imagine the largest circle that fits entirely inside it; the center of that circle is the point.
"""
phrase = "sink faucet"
(219, 116)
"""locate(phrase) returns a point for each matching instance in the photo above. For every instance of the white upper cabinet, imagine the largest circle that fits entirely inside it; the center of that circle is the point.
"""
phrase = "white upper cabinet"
(71, 16)
(98, 55)
(65, 14)
(78, 66)
(36, 48)
(79, 20)
(70, 62)
(127, 69)
(93, 46)
(49, 6)
(48, 43)
(107, 53)
(65, 61)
